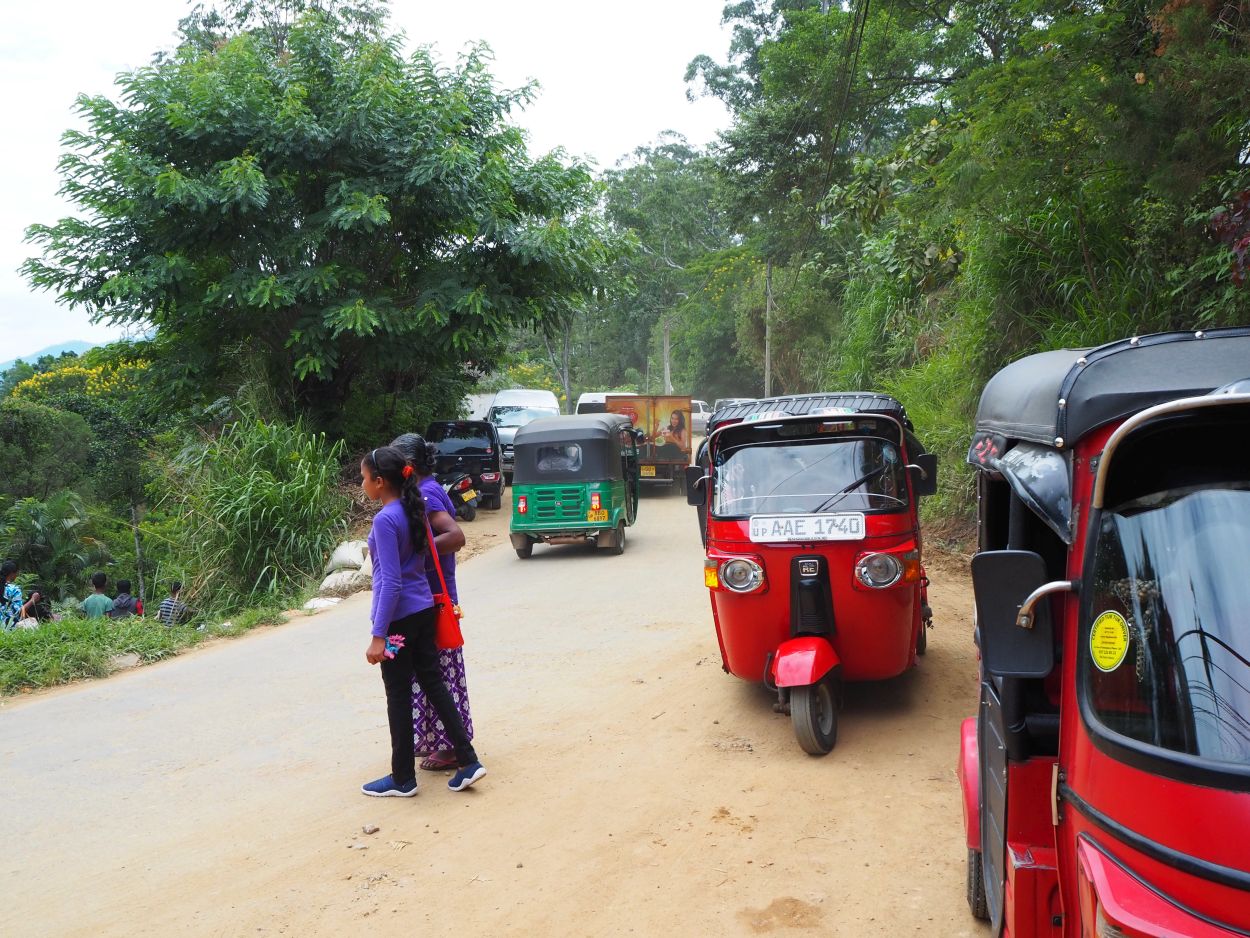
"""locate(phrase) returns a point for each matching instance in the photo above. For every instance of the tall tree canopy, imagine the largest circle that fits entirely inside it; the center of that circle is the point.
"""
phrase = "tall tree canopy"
(287, 188)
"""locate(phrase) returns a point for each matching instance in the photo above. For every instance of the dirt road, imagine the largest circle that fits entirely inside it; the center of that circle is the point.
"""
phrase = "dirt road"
(634, 788)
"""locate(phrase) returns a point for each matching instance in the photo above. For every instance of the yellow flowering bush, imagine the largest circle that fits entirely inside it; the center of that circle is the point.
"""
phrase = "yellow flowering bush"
(100, 381)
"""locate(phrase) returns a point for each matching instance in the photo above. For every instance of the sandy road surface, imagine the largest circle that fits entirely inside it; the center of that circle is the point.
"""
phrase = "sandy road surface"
(634, 788)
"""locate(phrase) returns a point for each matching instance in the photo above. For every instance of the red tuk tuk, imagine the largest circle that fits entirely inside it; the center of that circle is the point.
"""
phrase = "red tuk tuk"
(808, 506)
(1106, 776)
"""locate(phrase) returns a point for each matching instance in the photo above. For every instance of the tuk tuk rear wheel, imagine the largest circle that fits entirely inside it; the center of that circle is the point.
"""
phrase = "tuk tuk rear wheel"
(619, 547)
(814, 713)
(527, 551)
(976, 886)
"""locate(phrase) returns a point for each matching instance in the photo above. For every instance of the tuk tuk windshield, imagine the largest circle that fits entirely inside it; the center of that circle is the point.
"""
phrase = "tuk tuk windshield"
(1167, 641)
(809, 476)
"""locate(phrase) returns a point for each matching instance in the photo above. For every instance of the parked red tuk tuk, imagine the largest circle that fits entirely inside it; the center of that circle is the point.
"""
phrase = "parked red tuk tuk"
(808, 506)
(1106, 775)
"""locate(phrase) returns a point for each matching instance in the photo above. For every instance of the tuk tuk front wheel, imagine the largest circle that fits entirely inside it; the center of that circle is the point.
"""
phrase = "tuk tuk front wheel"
(814, 713)
(976, 886)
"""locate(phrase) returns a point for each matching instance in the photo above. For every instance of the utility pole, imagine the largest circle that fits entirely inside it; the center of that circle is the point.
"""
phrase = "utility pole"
(768, 329)
(668, 375)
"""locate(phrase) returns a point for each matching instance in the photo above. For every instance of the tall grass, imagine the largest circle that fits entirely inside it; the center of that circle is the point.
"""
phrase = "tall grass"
(256, 509)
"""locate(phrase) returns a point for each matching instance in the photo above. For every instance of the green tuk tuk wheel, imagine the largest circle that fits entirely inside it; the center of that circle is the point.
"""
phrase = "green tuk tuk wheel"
(527, 551)
(814, 714)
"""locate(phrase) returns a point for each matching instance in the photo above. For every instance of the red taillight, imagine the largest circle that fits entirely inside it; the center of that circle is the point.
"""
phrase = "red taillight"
(522, 505)
(595, 502)
(465, 484)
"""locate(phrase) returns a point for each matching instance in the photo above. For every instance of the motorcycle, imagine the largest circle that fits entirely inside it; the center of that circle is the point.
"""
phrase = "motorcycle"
(459, 488)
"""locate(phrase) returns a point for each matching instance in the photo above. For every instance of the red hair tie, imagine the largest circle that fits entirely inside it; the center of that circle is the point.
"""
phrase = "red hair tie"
(407, 472)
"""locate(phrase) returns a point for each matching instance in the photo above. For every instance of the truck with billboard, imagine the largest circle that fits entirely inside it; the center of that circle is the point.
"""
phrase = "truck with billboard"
(664, 421)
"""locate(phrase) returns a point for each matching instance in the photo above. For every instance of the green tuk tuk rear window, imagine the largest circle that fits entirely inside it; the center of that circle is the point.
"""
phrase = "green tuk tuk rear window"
(559, 457)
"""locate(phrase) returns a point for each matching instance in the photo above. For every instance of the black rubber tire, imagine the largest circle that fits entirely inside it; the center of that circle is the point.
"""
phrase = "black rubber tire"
(467, 512)
(922, 640)
(814, 714)
(619, 547)
(527, 551)
(976, 886)
(491, 503)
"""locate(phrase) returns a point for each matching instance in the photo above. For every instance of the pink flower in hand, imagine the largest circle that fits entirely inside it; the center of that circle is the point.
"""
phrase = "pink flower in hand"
(393, 644)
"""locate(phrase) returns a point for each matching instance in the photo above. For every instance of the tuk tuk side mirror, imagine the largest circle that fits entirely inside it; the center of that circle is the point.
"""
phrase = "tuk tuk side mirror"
(695, 477)
(924, 474)
(1016, 633)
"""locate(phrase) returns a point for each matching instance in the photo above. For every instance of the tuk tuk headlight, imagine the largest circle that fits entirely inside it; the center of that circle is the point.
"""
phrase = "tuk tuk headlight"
(741, 575)
(878, 570)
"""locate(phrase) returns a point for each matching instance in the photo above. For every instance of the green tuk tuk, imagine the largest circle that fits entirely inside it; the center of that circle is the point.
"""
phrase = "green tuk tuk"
(575, 480)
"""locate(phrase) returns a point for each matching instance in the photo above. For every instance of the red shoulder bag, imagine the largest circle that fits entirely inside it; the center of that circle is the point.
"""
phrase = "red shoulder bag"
(447, 634)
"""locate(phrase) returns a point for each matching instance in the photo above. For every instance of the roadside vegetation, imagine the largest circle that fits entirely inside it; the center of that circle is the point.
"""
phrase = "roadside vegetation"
(321, 240)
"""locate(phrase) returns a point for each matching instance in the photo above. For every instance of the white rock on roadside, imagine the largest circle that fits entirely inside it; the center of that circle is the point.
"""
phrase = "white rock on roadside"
(317, 603)
(350, 555)
(344, 583)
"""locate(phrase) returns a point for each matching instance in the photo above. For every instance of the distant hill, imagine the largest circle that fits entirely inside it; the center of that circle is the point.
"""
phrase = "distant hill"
(53, 350)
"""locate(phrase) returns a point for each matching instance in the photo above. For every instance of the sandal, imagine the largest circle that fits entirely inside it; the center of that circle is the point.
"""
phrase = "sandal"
(439, 762)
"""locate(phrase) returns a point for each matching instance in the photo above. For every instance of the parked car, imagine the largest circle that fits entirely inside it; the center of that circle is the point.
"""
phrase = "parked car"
(699, 412)
(512, 410)
(596, 402)
(470, 447)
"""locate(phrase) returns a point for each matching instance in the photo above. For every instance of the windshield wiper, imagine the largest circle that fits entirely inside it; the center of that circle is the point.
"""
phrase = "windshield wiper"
(838, 496)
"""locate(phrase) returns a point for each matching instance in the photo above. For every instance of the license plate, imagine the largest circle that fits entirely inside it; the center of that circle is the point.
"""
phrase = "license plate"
(600, 515)
(648, 472)
(788, 529)
(469, 495)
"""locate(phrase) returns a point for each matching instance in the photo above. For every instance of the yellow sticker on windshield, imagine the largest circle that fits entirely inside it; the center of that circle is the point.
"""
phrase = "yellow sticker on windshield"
(1108, 641)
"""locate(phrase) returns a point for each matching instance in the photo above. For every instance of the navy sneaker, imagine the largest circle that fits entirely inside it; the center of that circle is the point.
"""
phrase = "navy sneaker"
(386, 787)
(466, 776)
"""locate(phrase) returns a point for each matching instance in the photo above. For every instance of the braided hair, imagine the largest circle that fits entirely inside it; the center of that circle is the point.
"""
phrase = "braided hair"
(389, 463)
(420, 454)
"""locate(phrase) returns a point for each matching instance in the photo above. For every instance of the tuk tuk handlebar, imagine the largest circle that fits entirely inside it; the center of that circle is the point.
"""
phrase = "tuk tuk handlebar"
(1026, 615)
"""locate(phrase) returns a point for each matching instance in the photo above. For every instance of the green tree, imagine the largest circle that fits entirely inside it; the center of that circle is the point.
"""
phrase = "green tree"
(43, 450)
(55, 540)
(665, 196)
(286, 188)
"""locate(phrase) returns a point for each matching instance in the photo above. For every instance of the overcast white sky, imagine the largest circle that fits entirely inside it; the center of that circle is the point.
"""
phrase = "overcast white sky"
(611, 76)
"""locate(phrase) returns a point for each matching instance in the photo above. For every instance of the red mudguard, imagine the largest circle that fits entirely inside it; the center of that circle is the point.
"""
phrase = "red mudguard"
(970, 782)
(803, 661)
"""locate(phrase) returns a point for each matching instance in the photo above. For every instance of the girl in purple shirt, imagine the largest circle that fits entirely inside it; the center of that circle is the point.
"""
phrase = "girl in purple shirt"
(431, 739)
(403, 619)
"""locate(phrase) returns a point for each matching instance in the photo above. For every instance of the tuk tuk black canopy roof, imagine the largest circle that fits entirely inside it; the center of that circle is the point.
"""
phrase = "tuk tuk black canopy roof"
(597, 435)
(571, 429)
(1055, 398)
(798, 405)
(1035, 409)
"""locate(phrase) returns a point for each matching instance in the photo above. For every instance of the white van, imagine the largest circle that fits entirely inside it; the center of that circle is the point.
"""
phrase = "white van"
(596, 402)
(511, 410)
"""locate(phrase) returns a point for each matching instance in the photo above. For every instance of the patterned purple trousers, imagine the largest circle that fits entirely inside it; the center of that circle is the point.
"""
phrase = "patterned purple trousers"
(428, 732)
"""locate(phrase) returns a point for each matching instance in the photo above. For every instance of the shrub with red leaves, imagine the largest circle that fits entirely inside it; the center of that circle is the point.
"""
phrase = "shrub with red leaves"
(1231, 225)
